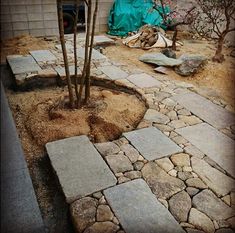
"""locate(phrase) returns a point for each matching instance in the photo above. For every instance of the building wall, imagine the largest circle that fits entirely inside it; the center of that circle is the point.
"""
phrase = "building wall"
(35, 17)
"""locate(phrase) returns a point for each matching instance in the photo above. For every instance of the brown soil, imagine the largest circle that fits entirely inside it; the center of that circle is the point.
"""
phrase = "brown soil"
(107, 115)
(218, 76)
(22, 45)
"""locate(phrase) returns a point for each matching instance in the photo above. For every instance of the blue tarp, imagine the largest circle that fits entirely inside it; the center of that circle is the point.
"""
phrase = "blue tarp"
(129, 15)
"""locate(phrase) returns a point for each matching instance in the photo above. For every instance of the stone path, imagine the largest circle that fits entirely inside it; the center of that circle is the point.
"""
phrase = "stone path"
(181, 155)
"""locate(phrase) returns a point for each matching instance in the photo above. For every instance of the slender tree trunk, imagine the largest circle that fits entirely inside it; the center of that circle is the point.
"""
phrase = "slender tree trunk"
(84, 71)
(174, 38)
(75, 50)
(219, 57)
(87, 87)
(61, 31)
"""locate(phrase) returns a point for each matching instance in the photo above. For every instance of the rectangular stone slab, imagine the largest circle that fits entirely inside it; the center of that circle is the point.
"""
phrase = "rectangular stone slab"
(144, 80)
(61, 71)
(113, 72)
(95, 54)
(213, 143)
(80, 168)
(21, 65)
(206, 110)
(43, 55)
(152, 143)
(138, 210)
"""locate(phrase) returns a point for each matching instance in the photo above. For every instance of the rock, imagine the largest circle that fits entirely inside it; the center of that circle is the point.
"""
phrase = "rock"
(226, 199)
(169, 102)
(156, 117)
(101, 227)
(184, 112)
(190, 120)
(225, 230)
(207, 202)
(186, 225)
(179, 206)
(163, 70)
(196, 183)
(190, 230)
(169, 53)
(163, 128)
(192, 191)
(190, 65)
(213, 164)
(173, 173)
(164, 202)
(162, 185)
(115, 221)
(224, 223)
(172, 115)
(231, 221)
(216, 225)
(102, 201)
(97, 195)
(83, 213)
(217, 181)
(201, 221)
(119, 163)
(176, 124)
(181, 159)
(130, 152)
(184, 175)
(192, 150)
(104, 213)
(121, 141)
(133, 174)
(232, 198)
(123, 179)
(179, 140)
(160, 59)
(138, 165)
(187, 169)
(119, 174)
(107, 148)
(165, 164)
(160, 95)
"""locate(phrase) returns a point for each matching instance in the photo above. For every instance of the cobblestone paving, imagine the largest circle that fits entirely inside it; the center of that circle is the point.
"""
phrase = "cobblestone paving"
(195, 184)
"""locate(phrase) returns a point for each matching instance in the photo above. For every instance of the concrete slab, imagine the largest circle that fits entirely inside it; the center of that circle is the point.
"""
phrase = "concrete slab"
(113, 72)
(61, 71)
(138, 210)
(206, 110)
(144, 80)
(95, 54)
(152, 143)
(43, 55)
(213, 143)
(80, 168)
(21, 65)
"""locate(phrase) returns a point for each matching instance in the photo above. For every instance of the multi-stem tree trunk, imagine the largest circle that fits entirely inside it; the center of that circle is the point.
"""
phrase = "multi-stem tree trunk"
(62, 40)
(219, 57)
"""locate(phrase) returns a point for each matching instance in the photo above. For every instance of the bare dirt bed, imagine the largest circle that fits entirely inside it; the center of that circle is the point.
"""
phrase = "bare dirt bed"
(217, 76)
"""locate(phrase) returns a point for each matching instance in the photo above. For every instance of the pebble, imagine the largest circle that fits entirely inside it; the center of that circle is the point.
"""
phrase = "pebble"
(173, 173)
(138, 165)
(165, 164)
(177, 124)
(192, 191)
(123, 179)
(181, 160)
(97, 195)
(104, 213)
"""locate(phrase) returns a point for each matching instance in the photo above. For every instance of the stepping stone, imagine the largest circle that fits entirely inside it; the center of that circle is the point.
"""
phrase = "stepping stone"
(24, 64)
(43, 55)
(144, 80)
(138, 210)
(213, 143)
(80, 168)
(206, 110)
(61, 71)
(152, 143)
(113, 72)
(102, 40)
(95, 54)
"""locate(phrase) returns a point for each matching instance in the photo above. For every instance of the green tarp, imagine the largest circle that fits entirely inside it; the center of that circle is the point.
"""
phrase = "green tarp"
(129, 15)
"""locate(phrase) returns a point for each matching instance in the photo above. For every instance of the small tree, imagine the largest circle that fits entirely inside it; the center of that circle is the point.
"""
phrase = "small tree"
(174, 18)
(90, 31)
(215, 19)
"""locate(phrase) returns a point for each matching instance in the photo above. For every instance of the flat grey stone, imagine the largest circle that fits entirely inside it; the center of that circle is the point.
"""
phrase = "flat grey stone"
(43, 55)
(20, 65)
(213, 143)
(152, 143)
(216, 180)
(113, 72)
(80, 168)
(61, 71)
(206, 110)
(138, 210)
(102, 40)
(156, 117)
(95, 54)
(160, 59)
(207, 202)
(143, 80)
